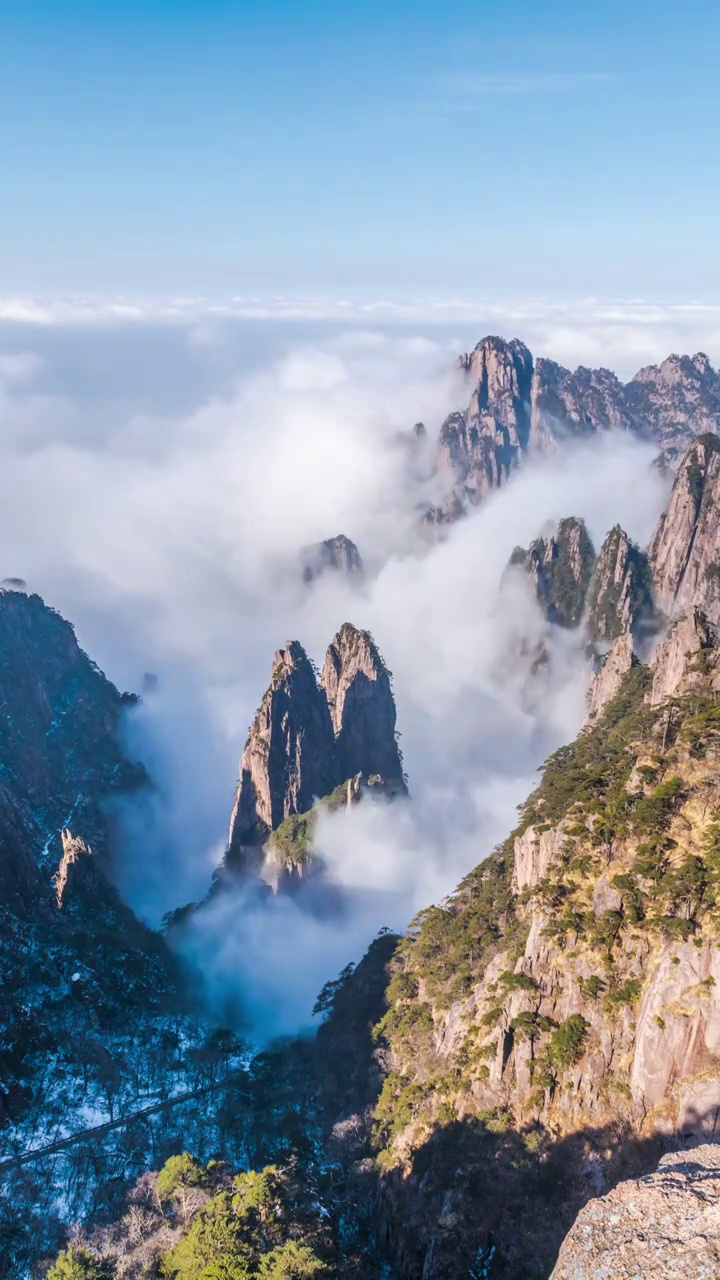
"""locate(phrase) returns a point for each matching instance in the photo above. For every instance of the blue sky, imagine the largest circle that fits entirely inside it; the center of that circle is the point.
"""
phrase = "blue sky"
(360, 149)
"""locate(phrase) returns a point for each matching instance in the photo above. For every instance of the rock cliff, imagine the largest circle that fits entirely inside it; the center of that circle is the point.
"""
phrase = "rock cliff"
(307, 740)
(684, 553)
(518, 406)
(334, 555)
(560, 567)
(357, 686)
(74, 960)
(621, 595)
(289, 759)
(665, 1224)
(563, 1001)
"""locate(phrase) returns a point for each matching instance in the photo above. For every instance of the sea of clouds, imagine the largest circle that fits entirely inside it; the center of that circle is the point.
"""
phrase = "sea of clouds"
(161, 470)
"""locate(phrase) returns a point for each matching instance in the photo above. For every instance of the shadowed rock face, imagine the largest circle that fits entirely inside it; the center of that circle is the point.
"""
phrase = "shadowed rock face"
(61, 761)
(560, 568)
(684, 553)
(677, 399)
(606, 683)
(338, 554)
(666, 1224)
(362, 708)
(289, 758)
(307, 738)
(518, 407)
(621, 595)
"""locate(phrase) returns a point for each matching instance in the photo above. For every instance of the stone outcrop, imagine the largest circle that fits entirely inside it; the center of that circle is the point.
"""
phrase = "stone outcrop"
(288, 759)
(569, 404)
(610, 675)
(687, 657)
(621, 596)
(560, 568)
(684, 553)
(63, 771)
(678, 1024)
(482, 445)
(357, 685)
(308, 738)
(535, 852)
(664, 1225)
(333, 555)
(677, 400)
(518, 407)
(59, 743)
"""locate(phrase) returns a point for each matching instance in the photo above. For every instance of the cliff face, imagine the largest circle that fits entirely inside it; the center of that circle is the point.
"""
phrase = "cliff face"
(518, 407)
(560, 568)
(74, 961)
(59, 721)
(621, 595)
(678, 399)
(684, 553)
(288, 760)
(308, 739)
(333, 555)
(564, 1000)
(357, 686)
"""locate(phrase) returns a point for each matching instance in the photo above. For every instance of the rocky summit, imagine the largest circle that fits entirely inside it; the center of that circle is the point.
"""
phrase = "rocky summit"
(311, 737)
(518, 406)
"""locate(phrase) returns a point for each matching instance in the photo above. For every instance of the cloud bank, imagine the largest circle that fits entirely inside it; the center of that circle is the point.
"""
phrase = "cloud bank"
(166, 521)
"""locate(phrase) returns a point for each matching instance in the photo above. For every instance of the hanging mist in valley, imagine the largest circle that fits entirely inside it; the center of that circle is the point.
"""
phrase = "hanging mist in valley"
(162, 489)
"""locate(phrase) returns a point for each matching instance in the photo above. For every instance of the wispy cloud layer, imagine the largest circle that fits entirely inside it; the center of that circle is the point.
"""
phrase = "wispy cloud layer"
(622, 334)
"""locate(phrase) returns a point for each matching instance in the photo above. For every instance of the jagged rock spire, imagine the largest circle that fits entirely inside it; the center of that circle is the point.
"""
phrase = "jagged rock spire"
(362, 708)
(338, 554)
(289, 756)
(684, 553)
(560, 567)
(621, 594)
(307, 738)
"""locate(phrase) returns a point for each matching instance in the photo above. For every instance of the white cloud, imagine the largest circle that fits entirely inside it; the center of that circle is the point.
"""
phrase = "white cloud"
(170, 537)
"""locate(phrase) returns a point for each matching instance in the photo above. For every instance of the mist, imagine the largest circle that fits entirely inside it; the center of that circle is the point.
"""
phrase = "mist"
(165, 522)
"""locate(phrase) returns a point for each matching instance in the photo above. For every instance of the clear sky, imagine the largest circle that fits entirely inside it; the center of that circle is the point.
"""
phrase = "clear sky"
(360, 148)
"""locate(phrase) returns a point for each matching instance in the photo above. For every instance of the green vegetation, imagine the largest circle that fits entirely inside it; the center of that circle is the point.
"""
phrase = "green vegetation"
(588, 777)
(79, 1264)
(567, 1043)
(291, 842)
(263, 1225)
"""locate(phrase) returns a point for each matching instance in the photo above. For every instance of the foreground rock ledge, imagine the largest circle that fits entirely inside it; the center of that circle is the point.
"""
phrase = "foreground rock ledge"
(664, 1226)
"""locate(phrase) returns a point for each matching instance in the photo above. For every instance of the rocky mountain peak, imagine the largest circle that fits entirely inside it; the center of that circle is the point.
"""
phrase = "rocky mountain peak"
(289, 756)
(677, 399)
(362, 707)
(308, 738)
(560, 567)
(684, 552)
(519, 406)
(621, 595)
(338, 554)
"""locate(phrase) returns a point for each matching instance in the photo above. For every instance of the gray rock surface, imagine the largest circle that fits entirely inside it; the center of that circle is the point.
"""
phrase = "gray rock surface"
(518, 407)
(333, 555)
(684, 553)
(289, 757)
(560, 567)
(661, 1227)
(357, 685)
(620, 599)
(685, 657)
(607, 680)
